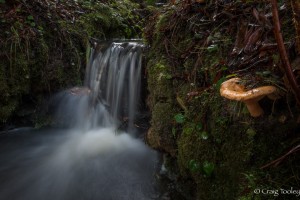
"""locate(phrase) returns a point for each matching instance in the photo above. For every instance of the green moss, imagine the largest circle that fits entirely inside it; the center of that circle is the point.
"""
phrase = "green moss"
(219, 142)
(162, 115)
(7, 110)
(46, 53)
(221, 148)
(8, 102)
(107, 21)
(4, 89)
(15, 79)
(160, 83)
(157, 31)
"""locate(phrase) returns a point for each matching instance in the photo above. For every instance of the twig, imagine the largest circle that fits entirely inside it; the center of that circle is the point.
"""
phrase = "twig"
(278, 160)
(282, 51)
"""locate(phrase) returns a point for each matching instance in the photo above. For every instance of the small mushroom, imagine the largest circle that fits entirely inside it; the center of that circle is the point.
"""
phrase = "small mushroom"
(232, 89)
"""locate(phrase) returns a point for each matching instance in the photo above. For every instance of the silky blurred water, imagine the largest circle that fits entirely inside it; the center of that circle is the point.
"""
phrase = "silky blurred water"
(91, 159)
(66, 164)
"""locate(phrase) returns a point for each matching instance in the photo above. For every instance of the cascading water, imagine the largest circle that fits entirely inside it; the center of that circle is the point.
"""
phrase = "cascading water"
(114, 76)
(111, 90)
(88, 160)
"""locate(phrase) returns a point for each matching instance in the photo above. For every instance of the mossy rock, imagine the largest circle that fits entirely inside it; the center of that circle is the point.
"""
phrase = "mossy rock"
(231, 151)
(225, 162)
(160, 135)
(159, 83)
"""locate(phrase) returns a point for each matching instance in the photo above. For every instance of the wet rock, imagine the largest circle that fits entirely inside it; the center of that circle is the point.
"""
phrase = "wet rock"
(80, 91)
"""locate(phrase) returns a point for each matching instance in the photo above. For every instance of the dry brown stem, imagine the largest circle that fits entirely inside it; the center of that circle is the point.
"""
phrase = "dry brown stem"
(296, 13)
(281, 158)
(282, 51)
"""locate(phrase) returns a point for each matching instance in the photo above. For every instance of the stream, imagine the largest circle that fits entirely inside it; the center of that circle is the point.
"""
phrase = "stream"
(66, 164)
(91, 158)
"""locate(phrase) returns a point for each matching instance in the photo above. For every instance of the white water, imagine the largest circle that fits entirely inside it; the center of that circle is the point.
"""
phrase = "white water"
(114, 77)
(92, 159)
(111, 92)
(69, 165)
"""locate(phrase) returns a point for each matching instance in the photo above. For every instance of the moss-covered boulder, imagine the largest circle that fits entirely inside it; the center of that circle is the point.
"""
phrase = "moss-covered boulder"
(221, 151)
(160, 135)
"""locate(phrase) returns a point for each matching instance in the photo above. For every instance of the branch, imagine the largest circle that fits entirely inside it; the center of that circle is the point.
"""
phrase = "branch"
(278, 160)
(282, 51)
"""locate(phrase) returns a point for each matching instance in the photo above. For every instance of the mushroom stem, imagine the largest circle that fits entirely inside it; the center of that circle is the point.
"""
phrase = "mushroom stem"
(254, 108)
(232, 89)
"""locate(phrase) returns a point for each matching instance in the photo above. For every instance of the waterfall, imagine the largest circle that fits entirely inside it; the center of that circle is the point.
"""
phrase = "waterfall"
(111, 92)
(114, 76)
(87, 160)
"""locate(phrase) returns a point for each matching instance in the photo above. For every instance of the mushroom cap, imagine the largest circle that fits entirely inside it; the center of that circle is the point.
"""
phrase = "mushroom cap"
(231, 89)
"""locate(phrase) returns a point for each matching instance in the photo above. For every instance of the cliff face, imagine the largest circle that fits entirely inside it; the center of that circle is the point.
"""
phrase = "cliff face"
(43, 48)
(213, 148)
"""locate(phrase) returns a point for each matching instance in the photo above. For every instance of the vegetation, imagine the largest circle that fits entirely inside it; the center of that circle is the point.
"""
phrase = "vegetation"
(221, 151)
(43, 46)
(213, 148)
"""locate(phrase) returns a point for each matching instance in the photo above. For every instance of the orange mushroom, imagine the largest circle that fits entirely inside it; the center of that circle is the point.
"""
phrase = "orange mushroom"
(232, 89)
